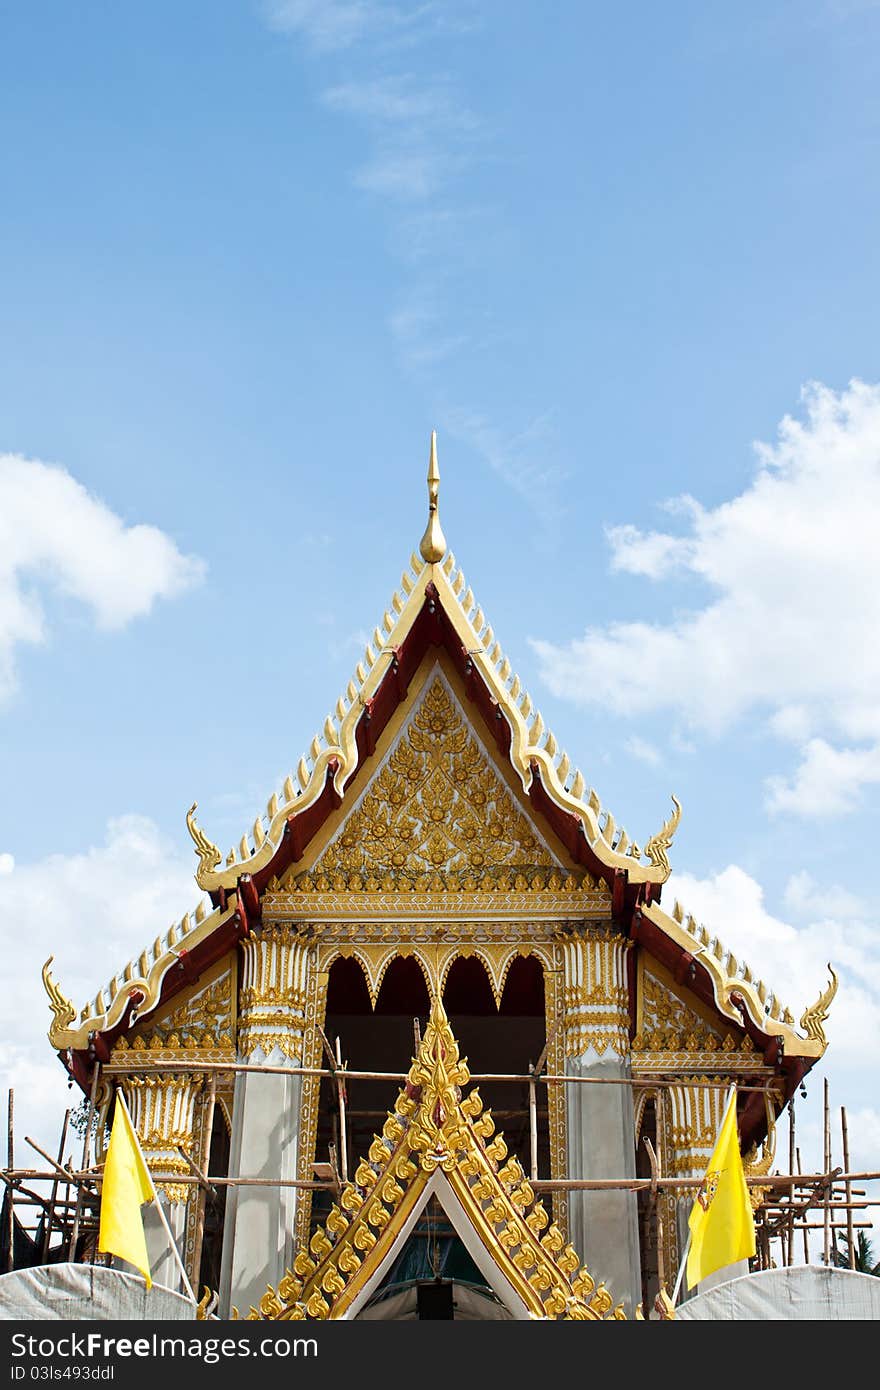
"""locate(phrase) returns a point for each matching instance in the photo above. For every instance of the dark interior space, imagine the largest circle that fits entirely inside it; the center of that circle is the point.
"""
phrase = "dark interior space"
(647, 1208)
(215, 1205)
(491, 1039)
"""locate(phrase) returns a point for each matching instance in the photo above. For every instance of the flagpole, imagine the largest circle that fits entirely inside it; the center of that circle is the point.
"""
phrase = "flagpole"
(680, 1274)
(162, 1217)
(731, 1096)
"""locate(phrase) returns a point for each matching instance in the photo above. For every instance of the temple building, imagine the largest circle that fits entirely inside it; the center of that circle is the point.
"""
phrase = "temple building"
(429, 1019)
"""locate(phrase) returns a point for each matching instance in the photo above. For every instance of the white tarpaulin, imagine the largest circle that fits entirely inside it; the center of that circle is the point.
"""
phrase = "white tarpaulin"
(804, 1292)
(83, 1292)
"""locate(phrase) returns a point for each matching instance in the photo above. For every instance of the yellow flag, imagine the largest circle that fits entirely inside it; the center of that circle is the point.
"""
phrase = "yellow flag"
(127, 1185)
(721, 1223)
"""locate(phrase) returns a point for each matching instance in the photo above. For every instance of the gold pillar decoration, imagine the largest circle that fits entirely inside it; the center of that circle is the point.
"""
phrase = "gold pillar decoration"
(595, 995)
(273, 996)
(162, 1109)
(695, 1119)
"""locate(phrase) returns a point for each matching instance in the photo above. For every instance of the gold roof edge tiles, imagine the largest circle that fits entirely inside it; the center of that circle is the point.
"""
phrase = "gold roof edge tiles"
(143, 976)
(729, 976)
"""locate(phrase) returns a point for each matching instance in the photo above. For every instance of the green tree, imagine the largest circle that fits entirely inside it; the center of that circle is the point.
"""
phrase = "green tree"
(864, 1261)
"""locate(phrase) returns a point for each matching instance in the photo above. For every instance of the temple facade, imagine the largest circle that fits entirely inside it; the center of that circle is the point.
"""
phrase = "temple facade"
(430, 1018)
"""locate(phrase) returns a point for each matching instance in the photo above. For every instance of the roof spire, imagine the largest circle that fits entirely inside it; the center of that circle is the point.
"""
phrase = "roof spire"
(433, 546)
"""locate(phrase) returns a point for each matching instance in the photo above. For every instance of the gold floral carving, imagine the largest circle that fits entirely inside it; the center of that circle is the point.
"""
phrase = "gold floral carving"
(432, 1128)
(438, 806)
(667, 1024)
(209, 1013)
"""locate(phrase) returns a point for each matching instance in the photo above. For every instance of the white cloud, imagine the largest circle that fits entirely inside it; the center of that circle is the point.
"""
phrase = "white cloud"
(55, 534)
(827, 780)
(785, 635)
(93, 911)
(653, 555)
(7, 863)
(805, 898)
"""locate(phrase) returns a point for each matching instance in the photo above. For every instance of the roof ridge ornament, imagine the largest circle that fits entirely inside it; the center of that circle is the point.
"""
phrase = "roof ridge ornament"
(814, 1017)
(63, 1011)
(433, 545)
(658, 845)
(209, 854)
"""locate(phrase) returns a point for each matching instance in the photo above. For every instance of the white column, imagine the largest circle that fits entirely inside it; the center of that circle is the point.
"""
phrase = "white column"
(600, 1127)
(258, 1231)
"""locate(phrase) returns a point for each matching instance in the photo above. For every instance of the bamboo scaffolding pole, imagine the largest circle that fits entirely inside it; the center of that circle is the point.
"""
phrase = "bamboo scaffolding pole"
(10, 1156)
(206, 1189)
(789, 1260)
(651, 1083)
(343, 1132)
(57, 1167)
(827, 1136)
(533, 1126)
(86, 1151)
(806, 1241)
(44, 1252)
(851, 1250)
(820, 1180)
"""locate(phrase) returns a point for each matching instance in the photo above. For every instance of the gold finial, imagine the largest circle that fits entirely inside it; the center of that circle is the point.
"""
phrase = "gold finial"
(433, 546)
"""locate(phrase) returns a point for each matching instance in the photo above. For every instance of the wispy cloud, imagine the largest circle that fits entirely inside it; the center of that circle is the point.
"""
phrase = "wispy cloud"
(522, 458)
(423, 137)
(642, 750)
(329, 26)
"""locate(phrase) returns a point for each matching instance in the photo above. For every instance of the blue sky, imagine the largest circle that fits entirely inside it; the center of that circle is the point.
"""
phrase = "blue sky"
(253, 254)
